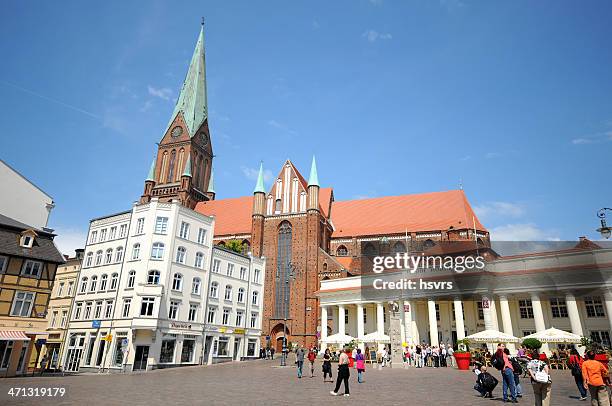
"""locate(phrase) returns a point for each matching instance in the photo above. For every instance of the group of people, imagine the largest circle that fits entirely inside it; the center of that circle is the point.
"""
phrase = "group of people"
(266, 353)
(590, 375)
(424, 355)
(347, 359)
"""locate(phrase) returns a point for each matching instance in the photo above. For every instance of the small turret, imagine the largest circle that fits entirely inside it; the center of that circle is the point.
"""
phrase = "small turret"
(313, 187)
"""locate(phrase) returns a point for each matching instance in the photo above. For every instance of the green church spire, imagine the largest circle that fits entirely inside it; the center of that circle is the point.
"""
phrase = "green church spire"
(187, 171)
(313, 180)
(211, 182)
(259, 187)
(192, 99)
(151, 176)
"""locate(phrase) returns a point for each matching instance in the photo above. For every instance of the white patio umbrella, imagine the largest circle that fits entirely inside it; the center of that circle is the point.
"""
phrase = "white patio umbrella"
(338, 339)
(554, 335)
(375, 337)
(492, 336)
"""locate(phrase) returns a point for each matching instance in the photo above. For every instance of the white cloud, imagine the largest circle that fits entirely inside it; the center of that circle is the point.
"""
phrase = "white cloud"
(68, 239)
(593, 139)
(491, 155)
(580, 141)
(498, 209)
(373, 35)
(253, 173)
(163, 93)
(521, 232)
(281, 126)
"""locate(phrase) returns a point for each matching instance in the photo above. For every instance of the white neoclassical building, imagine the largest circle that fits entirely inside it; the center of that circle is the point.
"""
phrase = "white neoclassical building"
(143, 290)
(519, 295)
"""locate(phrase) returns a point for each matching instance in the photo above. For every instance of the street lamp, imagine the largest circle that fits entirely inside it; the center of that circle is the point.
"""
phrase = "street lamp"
(604, 229)
(290, 276)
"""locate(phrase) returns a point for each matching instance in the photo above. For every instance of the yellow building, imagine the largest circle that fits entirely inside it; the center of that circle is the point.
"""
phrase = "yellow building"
(58, 314)
(28, 262)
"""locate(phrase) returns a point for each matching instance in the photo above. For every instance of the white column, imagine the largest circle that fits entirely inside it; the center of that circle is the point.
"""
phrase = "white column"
(538, 317)
(459, 322)
(494, 321)
(323, 326)
(341, 324)
(608, 302)
(504, 308)
(408, 330)
(486, 312)
(380, 322)
(574, 317)
(360, 326)
(433, 323)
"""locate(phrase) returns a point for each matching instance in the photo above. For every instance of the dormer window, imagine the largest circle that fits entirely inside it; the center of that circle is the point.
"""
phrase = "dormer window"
(27, 239)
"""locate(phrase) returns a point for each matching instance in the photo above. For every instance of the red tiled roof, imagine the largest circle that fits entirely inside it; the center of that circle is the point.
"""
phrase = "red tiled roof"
(382, 215)
(325, 196)
(395, 214)
(232, 216)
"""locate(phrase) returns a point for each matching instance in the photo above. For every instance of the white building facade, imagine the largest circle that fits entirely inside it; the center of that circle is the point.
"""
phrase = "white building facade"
(142, 290)
(235, 306)
(570, 290)
(28, 203)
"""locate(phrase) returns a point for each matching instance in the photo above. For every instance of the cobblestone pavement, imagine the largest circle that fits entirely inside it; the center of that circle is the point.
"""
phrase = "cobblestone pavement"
(263, 382)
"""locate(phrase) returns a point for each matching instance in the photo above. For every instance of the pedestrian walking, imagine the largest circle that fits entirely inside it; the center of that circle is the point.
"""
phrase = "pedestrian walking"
(383, 356)
(327, 369)
(360, 365)
(312, 356)
(595, 375)
(575, 362)
(272, 353)
(343, 373)
(299, 360)
(540, 379)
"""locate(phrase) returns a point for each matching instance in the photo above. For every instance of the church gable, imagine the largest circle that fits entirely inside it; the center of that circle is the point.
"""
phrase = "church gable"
(288, 192)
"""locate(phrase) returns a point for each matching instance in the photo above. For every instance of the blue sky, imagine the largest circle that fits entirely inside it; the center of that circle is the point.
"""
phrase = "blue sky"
(394, 97)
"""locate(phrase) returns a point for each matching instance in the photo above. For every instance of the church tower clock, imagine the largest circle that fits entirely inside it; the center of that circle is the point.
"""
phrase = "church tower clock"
(183, 166)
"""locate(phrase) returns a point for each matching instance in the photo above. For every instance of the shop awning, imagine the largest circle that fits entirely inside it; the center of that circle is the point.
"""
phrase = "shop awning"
(13, 335)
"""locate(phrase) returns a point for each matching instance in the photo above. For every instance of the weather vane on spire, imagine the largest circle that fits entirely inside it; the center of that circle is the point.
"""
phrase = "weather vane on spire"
(202, 20)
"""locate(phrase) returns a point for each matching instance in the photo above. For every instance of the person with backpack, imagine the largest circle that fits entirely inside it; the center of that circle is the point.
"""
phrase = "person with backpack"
(517, 370)
(595, 375)
(485, 383)
(501, 362)
(540, 379)
(575, 365)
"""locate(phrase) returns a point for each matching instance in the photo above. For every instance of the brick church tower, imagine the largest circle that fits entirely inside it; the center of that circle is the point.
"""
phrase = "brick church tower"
(183, 166)
(291, 229)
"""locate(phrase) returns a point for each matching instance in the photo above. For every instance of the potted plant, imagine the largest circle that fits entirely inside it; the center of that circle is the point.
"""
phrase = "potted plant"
(462, 355)
(534, 344)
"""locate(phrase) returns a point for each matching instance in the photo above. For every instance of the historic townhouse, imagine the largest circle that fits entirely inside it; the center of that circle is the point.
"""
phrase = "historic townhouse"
(234, 306)
(28, 262)
(519, 295)
(142, 296)
(64, 290)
